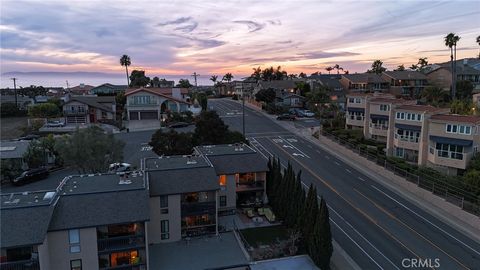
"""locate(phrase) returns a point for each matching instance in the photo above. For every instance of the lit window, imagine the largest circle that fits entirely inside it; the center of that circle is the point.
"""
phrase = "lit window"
(222, 180)
(76, 264)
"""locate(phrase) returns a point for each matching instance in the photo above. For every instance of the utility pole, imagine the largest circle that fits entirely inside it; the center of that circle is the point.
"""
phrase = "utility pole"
(195, 75)
(243, 111)
(15, 89)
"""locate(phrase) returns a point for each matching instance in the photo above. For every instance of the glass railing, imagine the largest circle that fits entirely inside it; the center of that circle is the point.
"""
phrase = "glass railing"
(379, 126)
(447, 154)
(121, 242)
(31, 264)
(406, 138)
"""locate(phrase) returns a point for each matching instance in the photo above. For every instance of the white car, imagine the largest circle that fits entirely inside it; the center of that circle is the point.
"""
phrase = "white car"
(55, 123)
(119, 167)
(308, 113)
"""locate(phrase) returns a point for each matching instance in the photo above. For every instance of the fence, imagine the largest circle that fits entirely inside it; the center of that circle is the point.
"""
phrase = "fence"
(464, 199)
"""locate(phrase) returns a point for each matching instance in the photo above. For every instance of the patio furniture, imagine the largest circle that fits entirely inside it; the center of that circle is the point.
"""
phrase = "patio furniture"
(250, 213)
(261, 211)
(269, 215)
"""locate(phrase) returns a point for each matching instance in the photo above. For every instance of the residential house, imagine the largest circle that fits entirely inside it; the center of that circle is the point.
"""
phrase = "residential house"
(11, 155)
(183, 197)
(281, 86)
(409, 137)
(356, 108)
(81, 89)
(452, 142)
(364, 82)
(108, 88)
(88, 222)
(406, 82)
(292, 100)
(89, 109)
(22, 101)
(241, 173)
(153, 103)
(337, 91)
(476, 100)
(467, 69)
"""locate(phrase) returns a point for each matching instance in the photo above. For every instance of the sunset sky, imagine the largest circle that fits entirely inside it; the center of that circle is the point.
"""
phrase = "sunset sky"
(214, 37)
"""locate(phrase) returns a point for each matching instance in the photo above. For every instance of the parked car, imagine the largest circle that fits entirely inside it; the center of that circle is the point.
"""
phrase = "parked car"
(178, 125)
(29, 137)
(55, 123)
(308, 113)
(119, 167)
(30, 176)
(286, 116)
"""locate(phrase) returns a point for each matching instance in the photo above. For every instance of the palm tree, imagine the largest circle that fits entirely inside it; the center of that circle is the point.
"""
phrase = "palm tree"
(450, 42)
(329, 69)
(338, 68)
(478, 41)
(228, 77)
(433, 95)
(125, 61)
(214, 79)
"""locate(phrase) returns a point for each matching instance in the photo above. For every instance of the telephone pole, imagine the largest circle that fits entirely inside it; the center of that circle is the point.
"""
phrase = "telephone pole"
(15, 89)
(195, 75)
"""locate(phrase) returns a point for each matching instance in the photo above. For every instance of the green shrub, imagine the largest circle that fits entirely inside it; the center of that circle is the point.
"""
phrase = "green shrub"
(9, 109)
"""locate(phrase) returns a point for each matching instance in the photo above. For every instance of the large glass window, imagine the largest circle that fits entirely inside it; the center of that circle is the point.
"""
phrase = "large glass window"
(164, 204)
(245, 178)
(74, 240)
(449, 151)
(164, 229)
(222, 179)
(460, 129)
(76, 264)
(124, 258)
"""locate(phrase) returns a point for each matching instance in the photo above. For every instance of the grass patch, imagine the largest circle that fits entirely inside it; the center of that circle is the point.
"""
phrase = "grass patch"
(264, 235)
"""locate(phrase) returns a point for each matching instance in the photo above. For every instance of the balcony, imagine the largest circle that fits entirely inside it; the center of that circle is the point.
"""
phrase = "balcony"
(122, 242)
(355, 121)
(448, 158)
(31, 264)
(250, 186)
(198, 208)
(140, 266)
(378, 129)
(408, 142)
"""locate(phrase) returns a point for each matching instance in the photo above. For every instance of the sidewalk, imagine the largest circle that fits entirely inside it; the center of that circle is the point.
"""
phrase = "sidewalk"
(463, 221)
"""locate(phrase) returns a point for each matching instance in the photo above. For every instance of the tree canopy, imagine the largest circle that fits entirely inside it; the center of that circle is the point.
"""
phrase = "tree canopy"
(377, 67)
(265, 95)
(138, 78)
(184, 83)
(464, 89)
(44, 110)
(90, 150)
(172, 142)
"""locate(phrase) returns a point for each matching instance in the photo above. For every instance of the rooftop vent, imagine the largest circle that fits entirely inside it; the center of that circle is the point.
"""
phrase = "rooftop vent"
(49, 195)
(190, 160)
(238, 147)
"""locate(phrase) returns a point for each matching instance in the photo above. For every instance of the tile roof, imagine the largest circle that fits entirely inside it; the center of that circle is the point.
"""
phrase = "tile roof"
(421, 108)
(364, 78)
(13, 149)
(405, 75)
(457, 118)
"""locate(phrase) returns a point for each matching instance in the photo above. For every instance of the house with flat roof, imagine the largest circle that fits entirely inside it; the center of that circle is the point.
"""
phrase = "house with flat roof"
(364, 82)
(241, 173)
(108, 88)
(89, 109)
(183, 197)
(93, 221)
(406, 82)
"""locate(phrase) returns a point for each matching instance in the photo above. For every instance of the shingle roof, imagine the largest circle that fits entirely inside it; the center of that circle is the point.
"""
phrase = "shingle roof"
(95, 101)
(331, 83)
(13, 149)
(97, 209)
(405, 75)
(457, 118)
(279, 84)
(364, 78)
(25, 225)
(112, 86)
(238, 163)
(178, 181)
(390, 100)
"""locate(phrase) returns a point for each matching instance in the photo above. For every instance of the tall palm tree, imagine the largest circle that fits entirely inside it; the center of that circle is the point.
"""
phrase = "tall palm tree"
(125, 61)
(450, 42)
(329, 69)
(228, 77)
(214, 79)
(455, 40)
(338, 68)
(478, 41)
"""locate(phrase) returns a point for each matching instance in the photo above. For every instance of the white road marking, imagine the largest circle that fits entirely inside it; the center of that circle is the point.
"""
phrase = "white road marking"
(299, 155)
(277, 140)
(301, 152)
(426, 220)
(292, 140)
(337, 163)
(348, 170)
(361, 179)
(327, 157)
(146, 148)
(287, 146)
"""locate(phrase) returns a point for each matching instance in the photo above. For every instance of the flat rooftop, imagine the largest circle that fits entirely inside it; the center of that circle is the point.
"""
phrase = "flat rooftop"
(96, 183)
(27, 199)
(225, 149)
(176, 162)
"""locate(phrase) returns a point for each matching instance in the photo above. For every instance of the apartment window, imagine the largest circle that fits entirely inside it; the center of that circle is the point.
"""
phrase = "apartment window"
(222, 180)
(76, 265)
(399, 152)
(351, 100)
(74, 240)
(459, 129)
(164, 230)
(223, 201)
(449, 151)
(419, 117)
(384, 107)
(164, 204)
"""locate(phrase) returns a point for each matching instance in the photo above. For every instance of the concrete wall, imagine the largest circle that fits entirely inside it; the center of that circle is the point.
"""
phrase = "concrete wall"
(173, 216)
(228, 190)
(440, 77)
(59, 249)
(43, 256)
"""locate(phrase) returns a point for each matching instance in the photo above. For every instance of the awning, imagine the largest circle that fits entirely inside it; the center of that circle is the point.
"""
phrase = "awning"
(378, 117)
(361, 110)
(408, 127)
(445, 140)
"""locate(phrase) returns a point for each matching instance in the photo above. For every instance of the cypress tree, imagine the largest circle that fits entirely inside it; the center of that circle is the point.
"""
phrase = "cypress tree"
(309, 214)
(314, 242)
(268, 185)
(325, 247)
(300, 201)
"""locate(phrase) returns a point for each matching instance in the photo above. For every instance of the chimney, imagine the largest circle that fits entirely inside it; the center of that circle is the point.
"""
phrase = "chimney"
(465, 61)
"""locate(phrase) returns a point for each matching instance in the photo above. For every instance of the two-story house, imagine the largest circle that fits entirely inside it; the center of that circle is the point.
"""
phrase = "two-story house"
(452, 141)
(183, 197)
(108, 88)
(241, 175)
(89, 109)
(93, 222)
(466, 70)
(406, 82)
(364, 82)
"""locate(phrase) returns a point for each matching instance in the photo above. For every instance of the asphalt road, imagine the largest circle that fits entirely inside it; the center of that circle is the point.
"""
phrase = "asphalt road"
(378, 228)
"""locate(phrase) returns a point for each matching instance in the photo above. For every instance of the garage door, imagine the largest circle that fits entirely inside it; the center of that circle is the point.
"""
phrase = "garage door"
(133, 116)
(148, 115)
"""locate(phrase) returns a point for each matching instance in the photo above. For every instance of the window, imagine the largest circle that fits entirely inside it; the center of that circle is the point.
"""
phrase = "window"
(384, 107)
(164, 230)
(76, 265)
(223, 201)
(399, 152)
(74, 240)
(351, 100)
(164, 204)
(222, 180)
(449, 151)
(460, 129)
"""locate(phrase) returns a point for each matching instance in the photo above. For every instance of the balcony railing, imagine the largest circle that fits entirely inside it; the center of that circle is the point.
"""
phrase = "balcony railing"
(137, 266)
(198, 208)
(250, 186)
(31, 264)
(447, 154)
(123, 242)
(407, 138)
(378, 126)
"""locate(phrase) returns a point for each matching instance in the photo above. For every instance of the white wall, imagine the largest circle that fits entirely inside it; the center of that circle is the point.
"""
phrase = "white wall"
(173, 216)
